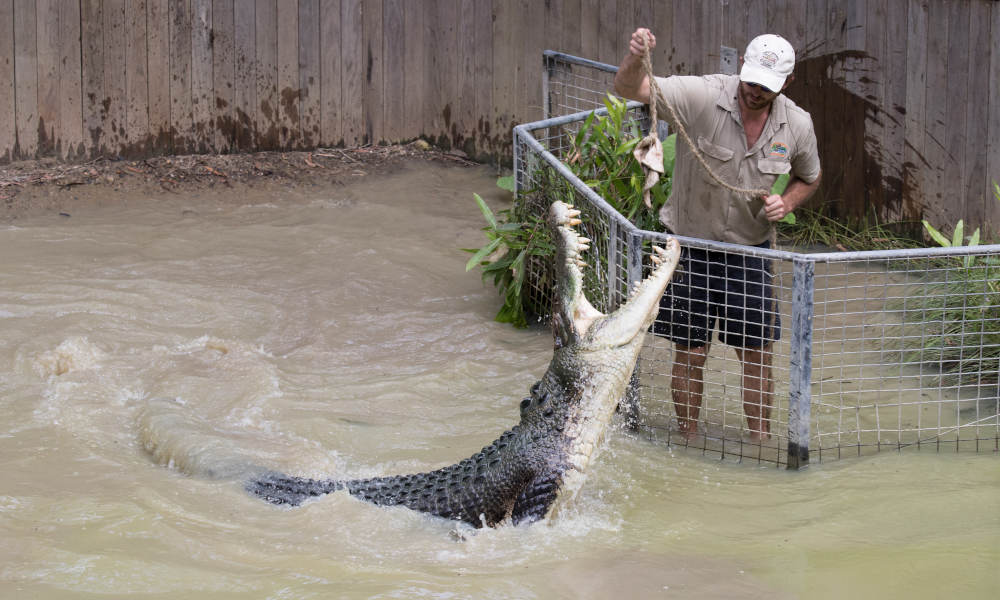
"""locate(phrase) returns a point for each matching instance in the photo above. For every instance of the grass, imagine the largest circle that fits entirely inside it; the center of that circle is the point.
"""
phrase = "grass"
(958, 309)
(815, 228)
(960, 322)
(961, 315)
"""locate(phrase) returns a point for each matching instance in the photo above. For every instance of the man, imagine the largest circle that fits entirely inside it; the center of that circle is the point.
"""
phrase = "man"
(749, 134)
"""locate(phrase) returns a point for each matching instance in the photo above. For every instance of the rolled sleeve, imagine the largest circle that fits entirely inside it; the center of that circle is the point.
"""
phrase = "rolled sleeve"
(687, 94)
(805, 162)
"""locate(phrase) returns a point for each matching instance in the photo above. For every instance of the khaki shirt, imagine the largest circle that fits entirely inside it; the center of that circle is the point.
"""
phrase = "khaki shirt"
(707, 107)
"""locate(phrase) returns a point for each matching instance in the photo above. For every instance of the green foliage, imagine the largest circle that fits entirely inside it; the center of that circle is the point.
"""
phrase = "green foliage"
(815, 228)
(506, 183)
(601, 156)
(961, 316)
(957, 239)
(504, 257)
(780, 184)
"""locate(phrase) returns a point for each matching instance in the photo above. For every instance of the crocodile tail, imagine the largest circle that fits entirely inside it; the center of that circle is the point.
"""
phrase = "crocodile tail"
(278, 488)
(436, 492)
(177, 438)
(480, 490)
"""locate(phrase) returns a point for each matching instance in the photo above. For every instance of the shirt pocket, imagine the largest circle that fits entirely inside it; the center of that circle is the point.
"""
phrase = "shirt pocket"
(719, 160)
(774, 166)
(719, 153)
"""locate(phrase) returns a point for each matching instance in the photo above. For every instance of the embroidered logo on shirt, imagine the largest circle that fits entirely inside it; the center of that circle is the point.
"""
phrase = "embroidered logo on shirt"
(779, 150)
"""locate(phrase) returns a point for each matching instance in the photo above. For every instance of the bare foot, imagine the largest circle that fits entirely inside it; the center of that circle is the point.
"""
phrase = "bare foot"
(688, 429)
(759, 436)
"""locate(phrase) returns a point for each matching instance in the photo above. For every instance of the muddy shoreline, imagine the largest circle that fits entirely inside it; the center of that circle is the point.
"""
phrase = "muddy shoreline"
(30, 188)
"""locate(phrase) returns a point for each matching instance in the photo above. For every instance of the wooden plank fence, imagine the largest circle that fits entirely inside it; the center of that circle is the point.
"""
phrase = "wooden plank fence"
(903, 92)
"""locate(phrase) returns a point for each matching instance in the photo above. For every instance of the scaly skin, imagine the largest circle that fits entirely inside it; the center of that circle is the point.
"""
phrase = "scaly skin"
(538, 465)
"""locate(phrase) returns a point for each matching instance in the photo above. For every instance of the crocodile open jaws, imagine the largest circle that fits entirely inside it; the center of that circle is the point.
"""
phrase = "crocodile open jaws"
(538, 465)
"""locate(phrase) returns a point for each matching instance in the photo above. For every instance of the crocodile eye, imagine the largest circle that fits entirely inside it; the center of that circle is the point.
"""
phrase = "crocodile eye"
(525, 403)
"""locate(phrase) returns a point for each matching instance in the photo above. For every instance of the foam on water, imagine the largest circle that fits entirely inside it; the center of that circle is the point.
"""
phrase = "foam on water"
(73, 354)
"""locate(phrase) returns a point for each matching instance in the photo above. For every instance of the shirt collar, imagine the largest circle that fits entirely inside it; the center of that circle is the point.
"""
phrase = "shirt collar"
(727, 96)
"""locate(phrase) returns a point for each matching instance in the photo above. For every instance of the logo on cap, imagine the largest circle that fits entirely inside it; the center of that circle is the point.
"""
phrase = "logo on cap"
(768, 59)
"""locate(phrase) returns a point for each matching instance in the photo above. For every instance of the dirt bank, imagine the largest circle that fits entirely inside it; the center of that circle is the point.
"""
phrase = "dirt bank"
(47, 186)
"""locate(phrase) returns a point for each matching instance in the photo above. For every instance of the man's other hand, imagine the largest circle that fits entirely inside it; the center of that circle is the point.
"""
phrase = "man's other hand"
(775, 208)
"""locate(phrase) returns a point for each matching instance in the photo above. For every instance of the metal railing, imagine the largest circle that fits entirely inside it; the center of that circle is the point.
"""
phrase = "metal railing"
(870, 356)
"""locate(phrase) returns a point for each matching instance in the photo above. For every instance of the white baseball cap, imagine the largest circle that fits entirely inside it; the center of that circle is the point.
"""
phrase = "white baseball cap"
(768, 61)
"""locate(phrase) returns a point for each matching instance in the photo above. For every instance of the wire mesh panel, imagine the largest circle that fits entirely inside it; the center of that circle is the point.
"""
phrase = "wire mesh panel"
(573, 84)
(839, 354)
(907, 352)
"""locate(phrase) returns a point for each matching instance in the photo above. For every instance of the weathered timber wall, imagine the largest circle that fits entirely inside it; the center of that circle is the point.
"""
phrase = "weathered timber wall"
(84, 78)
(903, 92)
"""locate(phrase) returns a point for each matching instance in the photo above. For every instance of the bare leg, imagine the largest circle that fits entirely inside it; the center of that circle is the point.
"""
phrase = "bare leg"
(758, 389)
(687, 385)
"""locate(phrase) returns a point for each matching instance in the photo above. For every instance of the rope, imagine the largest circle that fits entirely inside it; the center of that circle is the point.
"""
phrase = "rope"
(654, 93)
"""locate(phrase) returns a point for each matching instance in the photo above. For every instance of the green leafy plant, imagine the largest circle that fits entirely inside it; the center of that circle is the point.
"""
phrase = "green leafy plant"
(957, 239)
(780, 184)
(505, 256)
(601, 156)
(963, 337)
(506, 183)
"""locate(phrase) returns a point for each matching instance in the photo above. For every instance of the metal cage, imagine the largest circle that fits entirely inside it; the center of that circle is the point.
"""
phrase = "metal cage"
(870, 357)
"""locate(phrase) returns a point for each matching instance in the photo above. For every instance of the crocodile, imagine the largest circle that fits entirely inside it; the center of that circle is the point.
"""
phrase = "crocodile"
(532, 470)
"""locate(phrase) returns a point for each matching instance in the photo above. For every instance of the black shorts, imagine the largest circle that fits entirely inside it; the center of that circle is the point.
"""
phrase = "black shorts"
(710, 288)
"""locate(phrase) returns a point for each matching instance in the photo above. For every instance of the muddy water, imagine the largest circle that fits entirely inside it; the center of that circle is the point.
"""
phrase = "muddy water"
(334, 331)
